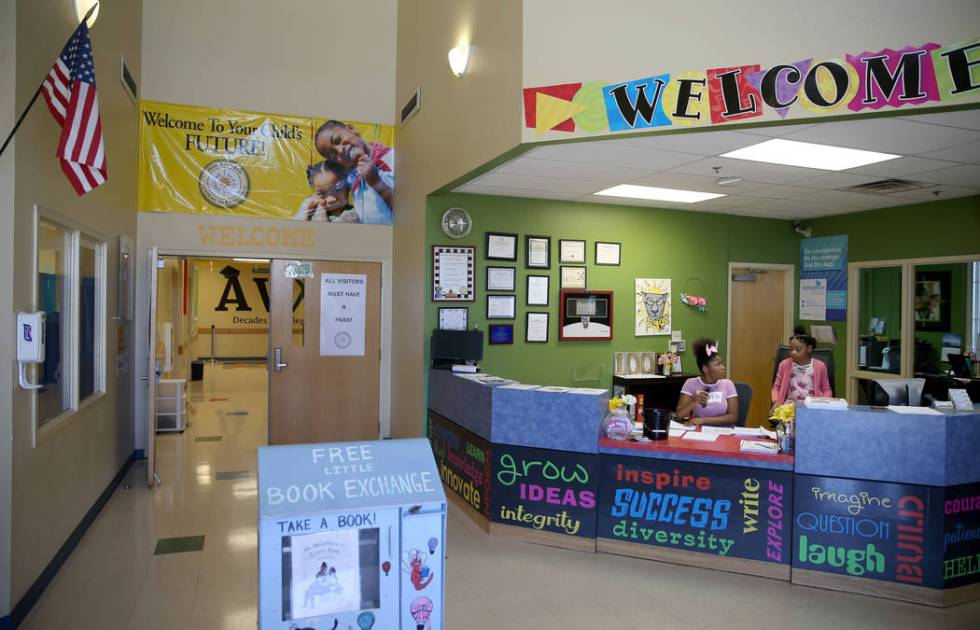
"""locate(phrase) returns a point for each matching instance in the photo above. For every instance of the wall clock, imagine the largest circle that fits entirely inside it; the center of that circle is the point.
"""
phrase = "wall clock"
(456, 222)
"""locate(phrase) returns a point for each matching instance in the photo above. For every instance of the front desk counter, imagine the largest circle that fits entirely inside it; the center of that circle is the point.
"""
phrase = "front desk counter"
(888, 504)
(704, 504)
(520, 462)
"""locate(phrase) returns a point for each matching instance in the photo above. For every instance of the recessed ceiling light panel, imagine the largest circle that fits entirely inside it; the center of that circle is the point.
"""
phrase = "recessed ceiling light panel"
(808, 155)
(652, 193)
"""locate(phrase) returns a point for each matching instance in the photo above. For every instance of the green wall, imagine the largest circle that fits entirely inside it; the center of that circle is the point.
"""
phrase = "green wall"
(922, 230)
(656, 243)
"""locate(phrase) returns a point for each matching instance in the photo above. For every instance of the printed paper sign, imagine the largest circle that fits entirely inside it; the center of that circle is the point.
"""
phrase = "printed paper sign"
(813, 299)
(342, 306)
(326, 575)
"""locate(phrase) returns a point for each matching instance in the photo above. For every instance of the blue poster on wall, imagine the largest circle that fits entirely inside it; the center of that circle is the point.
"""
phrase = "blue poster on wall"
(823, 278)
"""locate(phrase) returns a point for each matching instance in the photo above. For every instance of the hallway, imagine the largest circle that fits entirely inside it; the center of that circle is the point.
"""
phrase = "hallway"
(114, 580)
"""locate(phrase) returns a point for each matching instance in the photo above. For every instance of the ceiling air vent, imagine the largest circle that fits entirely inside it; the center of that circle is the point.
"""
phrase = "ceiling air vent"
(887, 186)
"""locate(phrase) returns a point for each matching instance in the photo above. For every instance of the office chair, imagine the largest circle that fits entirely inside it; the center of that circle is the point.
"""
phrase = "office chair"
(824, 354)
(744, 391)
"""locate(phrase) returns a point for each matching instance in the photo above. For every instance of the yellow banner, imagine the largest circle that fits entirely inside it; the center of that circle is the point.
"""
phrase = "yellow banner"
(227, 162)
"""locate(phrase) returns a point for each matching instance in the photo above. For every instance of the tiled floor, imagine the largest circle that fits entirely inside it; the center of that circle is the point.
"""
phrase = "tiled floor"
(113, 580)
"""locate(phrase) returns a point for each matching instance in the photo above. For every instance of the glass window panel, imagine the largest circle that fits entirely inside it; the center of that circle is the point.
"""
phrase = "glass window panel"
(54, 298)
(880, 319)
(89, 312)
(299, 309)
(940, 314)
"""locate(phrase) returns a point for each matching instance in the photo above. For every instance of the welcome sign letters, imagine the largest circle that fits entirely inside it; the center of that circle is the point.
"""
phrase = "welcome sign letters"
(888, 78)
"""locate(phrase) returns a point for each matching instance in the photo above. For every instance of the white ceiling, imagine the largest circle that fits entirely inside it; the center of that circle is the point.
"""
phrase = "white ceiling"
(942, 150)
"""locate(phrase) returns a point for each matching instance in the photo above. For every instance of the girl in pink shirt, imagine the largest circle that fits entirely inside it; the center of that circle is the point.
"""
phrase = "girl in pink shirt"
(710, 398)
(800, 375)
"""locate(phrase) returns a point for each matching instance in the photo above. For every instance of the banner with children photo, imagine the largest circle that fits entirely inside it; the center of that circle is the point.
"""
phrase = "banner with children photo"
(235, 163)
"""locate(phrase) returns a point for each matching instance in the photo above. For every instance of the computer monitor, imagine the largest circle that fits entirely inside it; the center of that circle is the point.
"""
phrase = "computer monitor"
(897, 391)
(456, 346)
(960, 365)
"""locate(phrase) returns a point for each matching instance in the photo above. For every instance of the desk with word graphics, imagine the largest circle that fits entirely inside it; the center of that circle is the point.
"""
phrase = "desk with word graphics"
(873, 501)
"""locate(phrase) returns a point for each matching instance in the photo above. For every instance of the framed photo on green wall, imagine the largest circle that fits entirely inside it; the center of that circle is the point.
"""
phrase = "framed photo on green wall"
(608, 253)
(931, 301)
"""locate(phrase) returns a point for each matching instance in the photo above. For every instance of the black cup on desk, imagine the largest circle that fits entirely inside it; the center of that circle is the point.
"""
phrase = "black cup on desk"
(656, 422)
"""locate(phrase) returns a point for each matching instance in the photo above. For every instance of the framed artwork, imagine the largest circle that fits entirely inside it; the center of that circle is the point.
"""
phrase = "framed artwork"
(501, 334)
(570, 251)
(652, 306)
(537, 252)
(501, 246)
(573, 278)
(453, 273)
(931, 301)
(501, 306)
(607, 253)
(536, 330)
(538, 290)
(453, 318)
(585, 315)
(501, 278)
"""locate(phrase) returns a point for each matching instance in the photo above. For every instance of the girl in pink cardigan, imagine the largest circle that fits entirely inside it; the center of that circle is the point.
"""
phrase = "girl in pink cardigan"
(800, 375)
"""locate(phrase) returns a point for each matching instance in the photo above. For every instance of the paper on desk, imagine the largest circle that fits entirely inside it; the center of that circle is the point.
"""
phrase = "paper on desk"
(555, 388)
(589, 390)
(915, 411)
(751, 446)
(717, 430)
(639, 376)
(677, 425)
(676, 432)
(701, 437)
(521, 386)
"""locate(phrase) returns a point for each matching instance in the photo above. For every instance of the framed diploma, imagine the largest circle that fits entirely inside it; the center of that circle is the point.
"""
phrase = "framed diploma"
(453, 273)
(501, 246)
(501, 306)
(537, 328)
(573, 278)
(501, 334)
(585, 315)
(537, 290)
(453, 318)
(571, 252)
(607, 253)
(537, 252)
(501, 278)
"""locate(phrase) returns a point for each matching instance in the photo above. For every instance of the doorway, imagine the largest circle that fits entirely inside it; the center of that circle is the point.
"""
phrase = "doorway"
(760, 317)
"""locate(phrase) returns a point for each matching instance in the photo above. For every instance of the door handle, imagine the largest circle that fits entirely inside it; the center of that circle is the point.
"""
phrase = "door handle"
(277, 360)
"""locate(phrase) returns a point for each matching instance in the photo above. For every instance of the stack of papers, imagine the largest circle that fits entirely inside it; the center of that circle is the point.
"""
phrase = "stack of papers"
(815, 402)
(700, 437)
(718, 430)
(754, 432)
(753, 446)
(917, 411)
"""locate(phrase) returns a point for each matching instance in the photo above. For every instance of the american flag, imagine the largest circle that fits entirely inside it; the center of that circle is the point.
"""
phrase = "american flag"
(70, 93)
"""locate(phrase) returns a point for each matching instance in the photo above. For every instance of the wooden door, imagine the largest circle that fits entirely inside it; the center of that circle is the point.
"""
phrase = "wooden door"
(758, 320)
(328, 397)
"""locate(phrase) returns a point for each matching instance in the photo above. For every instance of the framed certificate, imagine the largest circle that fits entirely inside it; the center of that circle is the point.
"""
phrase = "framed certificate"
(453, 318)
(537, 328)
(573, 278)
(607, 253)
(537, 290)
(571, 252)
(585, 315)
(501, 278)
(537, 252)
(453, 273)
(501, 246)
(501, 334)
(501, 306)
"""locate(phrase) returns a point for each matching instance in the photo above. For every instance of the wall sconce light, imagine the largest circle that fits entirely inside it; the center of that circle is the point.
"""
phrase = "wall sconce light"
(459, 59)
(82, 7)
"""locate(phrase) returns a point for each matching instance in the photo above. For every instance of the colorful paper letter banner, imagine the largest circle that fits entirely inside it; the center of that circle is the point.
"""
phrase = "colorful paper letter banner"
(871, 80)
(235, 163)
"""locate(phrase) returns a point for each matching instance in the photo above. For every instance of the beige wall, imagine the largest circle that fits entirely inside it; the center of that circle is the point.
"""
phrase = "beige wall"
(462, 124)
(8, 114)
(331, 58)
(58, 480)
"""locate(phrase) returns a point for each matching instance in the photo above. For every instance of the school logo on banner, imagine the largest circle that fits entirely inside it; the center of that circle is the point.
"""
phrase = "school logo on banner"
(227, 162)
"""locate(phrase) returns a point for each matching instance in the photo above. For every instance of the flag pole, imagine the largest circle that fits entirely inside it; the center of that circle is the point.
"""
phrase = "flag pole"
(37, 92)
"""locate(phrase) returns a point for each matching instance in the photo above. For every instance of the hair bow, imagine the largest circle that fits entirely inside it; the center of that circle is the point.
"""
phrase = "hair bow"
(710, 350)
